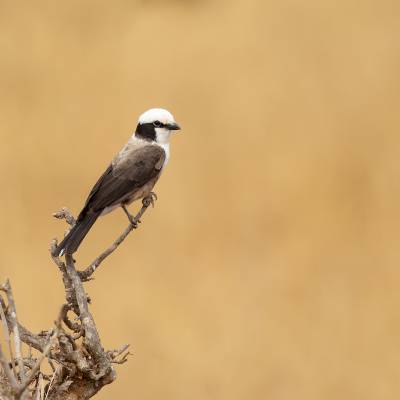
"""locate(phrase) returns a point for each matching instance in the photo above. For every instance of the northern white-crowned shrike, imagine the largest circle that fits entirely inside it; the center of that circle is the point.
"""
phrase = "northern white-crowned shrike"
(131, 175)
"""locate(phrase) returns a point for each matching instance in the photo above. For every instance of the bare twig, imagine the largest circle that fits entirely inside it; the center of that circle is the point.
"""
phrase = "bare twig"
(114, 354)
(87, 272)
(69, 290)
(36, 341)
(64, 213)
(64, 317)
(10, 322)
(6, 330)
(7, 370)
(52, 380)
(38, 395)
(36, 367)
(15, 328)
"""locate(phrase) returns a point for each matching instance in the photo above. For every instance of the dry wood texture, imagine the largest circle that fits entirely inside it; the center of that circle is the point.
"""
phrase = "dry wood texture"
(80, 368)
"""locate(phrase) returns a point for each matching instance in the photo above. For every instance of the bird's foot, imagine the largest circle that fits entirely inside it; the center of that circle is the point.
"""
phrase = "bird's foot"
(134, 222)
(150, 199)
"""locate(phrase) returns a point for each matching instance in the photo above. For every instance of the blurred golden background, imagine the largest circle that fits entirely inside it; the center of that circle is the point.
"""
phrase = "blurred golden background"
(269, 268)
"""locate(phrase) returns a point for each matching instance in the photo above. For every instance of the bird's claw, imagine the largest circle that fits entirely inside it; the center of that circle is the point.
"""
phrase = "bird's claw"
(150, 199)
(134, 222)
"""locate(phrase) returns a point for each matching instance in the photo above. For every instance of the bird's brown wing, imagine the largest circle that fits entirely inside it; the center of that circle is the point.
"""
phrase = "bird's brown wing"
(126, 175)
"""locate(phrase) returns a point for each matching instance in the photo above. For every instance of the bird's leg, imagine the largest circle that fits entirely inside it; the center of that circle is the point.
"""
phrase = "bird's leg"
(131, 218)
(149, 199)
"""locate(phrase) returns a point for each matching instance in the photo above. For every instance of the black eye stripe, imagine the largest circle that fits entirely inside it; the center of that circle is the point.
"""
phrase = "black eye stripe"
(158, 124)
(146, 131)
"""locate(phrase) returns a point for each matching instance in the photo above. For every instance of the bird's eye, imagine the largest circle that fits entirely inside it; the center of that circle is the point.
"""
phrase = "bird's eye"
(157, 123)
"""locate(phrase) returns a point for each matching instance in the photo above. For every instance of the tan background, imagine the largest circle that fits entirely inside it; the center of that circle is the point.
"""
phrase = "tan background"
(269, 268)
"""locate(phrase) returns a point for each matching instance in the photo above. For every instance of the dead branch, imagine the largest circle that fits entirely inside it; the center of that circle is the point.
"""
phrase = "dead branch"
(35, 368)
(14, 328)
(6, 330)
(80, 368)
(64, 213)
(7, 370)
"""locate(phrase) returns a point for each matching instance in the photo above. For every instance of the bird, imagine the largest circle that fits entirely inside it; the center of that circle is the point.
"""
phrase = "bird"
(131, 175)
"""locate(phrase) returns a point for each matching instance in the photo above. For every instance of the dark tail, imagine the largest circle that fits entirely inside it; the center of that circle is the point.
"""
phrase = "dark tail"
(75, 236)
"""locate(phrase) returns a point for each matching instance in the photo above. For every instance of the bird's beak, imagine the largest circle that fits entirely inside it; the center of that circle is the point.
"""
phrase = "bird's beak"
(173, 126)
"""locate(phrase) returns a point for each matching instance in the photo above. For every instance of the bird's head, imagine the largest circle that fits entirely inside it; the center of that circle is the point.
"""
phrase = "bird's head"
(156, 125)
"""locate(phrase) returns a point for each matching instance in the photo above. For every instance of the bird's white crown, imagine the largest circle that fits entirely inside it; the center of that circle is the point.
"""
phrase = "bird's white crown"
(156, 114)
